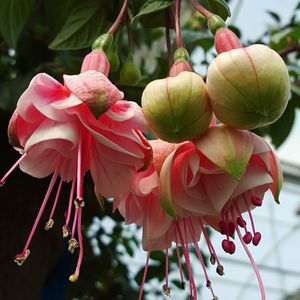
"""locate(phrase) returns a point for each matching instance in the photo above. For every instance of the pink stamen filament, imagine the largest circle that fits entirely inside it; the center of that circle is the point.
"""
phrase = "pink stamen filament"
(208, 242)
(79, 191)
(193, 290)
(255, 268)
(79, 233)
(56, 199)
(167, 263)
(144, 276)
(75, 221)
(198, 252)
(240, 215)
(179, 262)
(41, 210)
(15, 165)
(250, 215)
(71, 200)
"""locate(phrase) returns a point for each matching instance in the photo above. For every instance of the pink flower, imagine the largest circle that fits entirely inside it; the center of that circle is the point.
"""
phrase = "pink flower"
(67, 130)
(224, 173)
(142, 206)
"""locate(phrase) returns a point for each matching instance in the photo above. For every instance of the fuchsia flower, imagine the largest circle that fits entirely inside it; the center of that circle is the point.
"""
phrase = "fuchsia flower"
(209, 182)
(67, 130)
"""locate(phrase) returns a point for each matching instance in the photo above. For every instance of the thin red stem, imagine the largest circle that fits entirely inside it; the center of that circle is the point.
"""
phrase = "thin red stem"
(79, 233)
(119, 19)
(177, 24)
(202, 10)
(168, 39)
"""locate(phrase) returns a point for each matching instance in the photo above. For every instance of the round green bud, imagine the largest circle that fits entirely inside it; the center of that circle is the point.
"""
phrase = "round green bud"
(114, 61)
(130, 74)
(248, 87)
(177, 108)
(214, 23)
(181, 54)
(103, 42)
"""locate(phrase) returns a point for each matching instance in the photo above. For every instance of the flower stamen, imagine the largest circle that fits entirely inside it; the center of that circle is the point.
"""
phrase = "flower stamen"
(15, 165)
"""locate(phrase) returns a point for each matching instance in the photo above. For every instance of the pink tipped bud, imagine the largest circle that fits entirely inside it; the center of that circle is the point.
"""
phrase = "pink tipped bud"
(180, 66)
(256, 238)
(226, 40)
(97, 61)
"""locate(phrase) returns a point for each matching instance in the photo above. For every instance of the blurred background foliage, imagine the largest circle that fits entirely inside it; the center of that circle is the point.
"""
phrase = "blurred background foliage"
(53, 36)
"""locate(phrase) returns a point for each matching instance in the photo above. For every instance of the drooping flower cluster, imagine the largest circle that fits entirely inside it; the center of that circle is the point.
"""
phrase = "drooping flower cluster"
(67, 130)
(195, 175)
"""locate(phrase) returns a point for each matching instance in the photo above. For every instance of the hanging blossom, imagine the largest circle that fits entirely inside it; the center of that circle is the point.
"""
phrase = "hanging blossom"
(142, 206)
(211, 181)
(68, 130)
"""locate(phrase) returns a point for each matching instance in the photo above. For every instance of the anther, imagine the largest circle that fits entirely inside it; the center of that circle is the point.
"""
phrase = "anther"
(241, 222)
(2, 183)
(21, 258)
(231, 247)
(182, 285)
(256, 238)
(220, 270)
(166, 290)
(223, 227)
(73, 244)
(66, 231)
(256, 201)
(231, 228)
(215, 298)
(79, 202)
(73, 278)
(212, 259)
(49, 224)
(208, 283)
(247, 238)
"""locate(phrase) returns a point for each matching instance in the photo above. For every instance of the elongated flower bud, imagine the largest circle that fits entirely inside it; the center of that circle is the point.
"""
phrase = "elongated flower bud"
(226, 40)
(248, 87)
(177, 108)
(97, 61)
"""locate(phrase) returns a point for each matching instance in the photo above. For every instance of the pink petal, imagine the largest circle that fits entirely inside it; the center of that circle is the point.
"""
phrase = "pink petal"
(230, 149)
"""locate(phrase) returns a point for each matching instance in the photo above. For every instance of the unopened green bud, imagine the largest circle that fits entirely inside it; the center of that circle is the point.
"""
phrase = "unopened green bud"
(177, 108)
(114, 61)
(214, 23)
(248, 87)
(103, 42)
(130, 74)
(181, 54)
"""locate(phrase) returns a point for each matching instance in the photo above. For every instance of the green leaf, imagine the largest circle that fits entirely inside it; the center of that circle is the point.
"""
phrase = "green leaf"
(280, 130)
(220, 8)
(13, 17)
(150, 7)
(274, 16)
(57, 12)
(83, 25)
